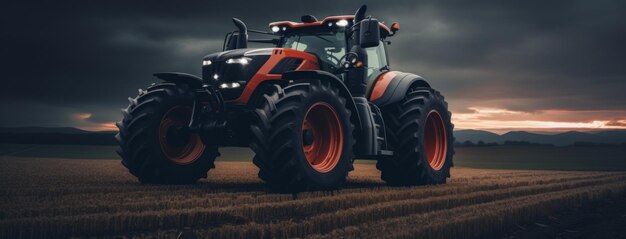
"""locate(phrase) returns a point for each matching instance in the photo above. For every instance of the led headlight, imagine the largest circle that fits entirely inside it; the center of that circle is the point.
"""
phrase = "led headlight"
(206, 62)
(242, 60)
(342, 23)
(275, 29)
(229, 85)
(216, 76)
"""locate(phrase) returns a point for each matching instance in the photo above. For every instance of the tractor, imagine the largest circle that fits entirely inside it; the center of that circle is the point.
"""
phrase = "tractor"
(320, 97)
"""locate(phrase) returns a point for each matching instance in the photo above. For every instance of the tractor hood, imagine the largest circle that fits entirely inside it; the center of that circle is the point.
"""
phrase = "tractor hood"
(230, 54)
(231, 70)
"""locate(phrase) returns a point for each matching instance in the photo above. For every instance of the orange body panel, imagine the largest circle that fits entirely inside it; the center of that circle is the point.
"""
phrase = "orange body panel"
(309, 62)
(382, 83)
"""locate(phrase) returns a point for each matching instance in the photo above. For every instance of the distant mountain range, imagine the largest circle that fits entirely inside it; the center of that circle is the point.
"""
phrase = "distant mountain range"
(69, 135)
(560, 139)
(55, 135)
(30, 130)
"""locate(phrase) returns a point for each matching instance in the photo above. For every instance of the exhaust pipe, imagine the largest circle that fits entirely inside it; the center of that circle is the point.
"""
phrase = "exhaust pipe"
(242, 40)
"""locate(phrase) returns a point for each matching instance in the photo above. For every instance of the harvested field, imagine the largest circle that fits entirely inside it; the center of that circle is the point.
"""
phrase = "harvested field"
(52, 198)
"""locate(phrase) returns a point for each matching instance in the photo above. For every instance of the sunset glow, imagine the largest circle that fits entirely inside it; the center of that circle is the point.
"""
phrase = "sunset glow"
(103, 127)
(83, 122)
(82, 116)
(502, 120)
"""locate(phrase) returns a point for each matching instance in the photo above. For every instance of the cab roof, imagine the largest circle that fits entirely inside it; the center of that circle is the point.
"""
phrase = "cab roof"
(286, 26)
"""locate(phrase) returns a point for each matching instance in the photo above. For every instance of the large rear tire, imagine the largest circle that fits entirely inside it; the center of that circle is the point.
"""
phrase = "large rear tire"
(419, 131)
(153, 147)
(303, 137)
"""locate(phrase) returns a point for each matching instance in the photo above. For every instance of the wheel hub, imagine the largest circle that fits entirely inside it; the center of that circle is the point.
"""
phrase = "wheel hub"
(178, 136)
(178, 144)
(307, 137)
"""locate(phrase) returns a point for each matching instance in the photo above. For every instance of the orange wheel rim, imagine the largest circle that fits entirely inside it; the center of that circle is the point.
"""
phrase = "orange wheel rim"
(435, 140)
(322, 137)
(189, 147)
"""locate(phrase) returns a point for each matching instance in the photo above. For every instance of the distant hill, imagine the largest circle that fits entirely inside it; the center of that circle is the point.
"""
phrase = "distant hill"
(43, 130)
(475, 136)
(68, 135)
(560, 139)
(54, 135)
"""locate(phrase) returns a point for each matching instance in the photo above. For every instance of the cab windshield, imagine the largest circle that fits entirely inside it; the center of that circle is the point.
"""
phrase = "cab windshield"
(329, 47)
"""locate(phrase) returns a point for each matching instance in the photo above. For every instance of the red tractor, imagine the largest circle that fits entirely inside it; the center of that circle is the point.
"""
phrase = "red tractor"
(322, 97)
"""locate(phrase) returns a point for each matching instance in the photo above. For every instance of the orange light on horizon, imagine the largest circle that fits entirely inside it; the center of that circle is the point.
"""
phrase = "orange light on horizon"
(82, 116)
(85, 124)
(99, 127)
(502, 120)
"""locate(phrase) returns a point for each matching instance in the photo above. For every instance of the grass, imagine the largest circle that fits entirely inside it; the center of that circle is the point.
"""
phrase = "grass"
(57, 198)
(609, 158)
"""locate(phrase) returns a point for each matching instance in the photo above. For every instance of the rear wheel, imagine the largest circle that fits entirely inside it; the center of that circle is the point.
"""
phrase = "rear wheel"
(154, 143)
(420, 133)
(303, 137)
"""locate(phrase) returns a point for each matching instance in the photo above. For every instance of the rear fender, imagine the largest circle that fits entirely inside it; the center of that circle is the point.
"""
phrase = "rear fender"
(392, 86)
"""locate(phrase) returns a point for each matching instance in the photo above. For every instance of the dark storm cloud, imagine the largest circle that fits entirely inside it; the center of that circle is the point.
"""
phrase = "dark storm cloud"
(88, 56)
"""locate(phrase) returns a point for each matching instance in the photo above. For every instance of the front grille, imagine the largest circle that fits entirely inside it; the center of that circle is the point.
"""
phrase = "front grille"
(232, 73)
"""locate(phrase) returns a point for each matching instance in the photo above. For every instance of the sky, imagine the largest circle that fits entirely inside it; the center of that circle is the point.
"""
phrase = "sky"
(502, 65)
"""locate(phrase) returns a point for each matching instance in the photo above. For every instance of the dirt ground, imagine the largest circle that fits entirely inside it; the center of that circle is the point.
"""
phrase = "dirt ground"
(57, 198)
(600, 219)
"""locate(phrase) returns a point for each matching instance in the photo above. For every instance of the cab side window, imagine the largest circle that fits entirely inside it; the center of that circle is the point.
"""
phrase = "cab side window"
(376, 60)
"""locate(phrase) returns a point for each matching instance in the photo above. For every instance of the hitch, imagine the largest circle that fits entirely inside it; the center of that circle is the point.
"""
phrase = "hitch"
(208, 111)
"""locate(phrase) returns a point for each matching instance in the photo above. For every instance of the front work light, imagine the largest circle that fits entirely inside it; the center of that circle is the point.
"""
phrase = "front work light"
(242, 60)
(342, 23)
(207, 62)
(229, 85)
(275, 29)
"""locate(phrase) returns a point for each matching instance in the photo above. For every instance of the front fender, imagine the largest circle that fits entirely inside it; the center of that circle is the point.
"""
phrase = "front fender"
(180, 78)
(336, 82)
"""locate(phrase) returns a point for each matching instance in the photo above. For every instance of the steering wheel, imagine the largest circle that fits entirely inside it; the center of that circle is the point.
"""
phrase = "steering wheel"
(339, 61)
(335, 58)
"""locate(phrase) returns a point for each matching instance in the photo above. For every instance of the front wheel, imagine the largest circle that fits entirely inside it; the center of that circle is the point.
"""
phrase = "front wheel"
(303, 137)
(154, 145)
(420, 133)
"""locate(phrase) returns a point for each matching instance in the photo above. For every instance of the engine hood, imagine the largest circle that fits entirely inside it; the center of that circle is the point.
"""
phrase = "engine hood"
(237, 53)
(233, 67)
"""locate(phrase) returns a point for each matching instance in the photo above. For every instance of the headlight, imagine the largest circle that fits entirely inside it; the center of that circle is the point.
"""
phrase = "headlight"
(229, 85)
(243, 60)
(342, 23)
(275, 29)
(206, 62)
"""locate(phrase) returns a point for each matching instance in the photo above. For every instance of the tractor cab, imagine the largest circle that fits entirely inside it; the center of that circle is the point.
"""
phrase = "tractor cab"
(330, 41)
(354, 51)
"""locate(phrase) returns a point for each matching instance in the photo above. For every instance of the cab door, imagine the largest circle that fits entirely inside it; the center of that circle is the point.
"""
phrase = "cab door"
(377, 63)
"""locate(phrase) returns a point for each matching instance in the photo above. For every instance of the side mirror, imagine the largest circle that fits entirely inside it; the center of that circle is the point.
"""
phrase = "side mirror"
(369, 35)
(395, 27)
